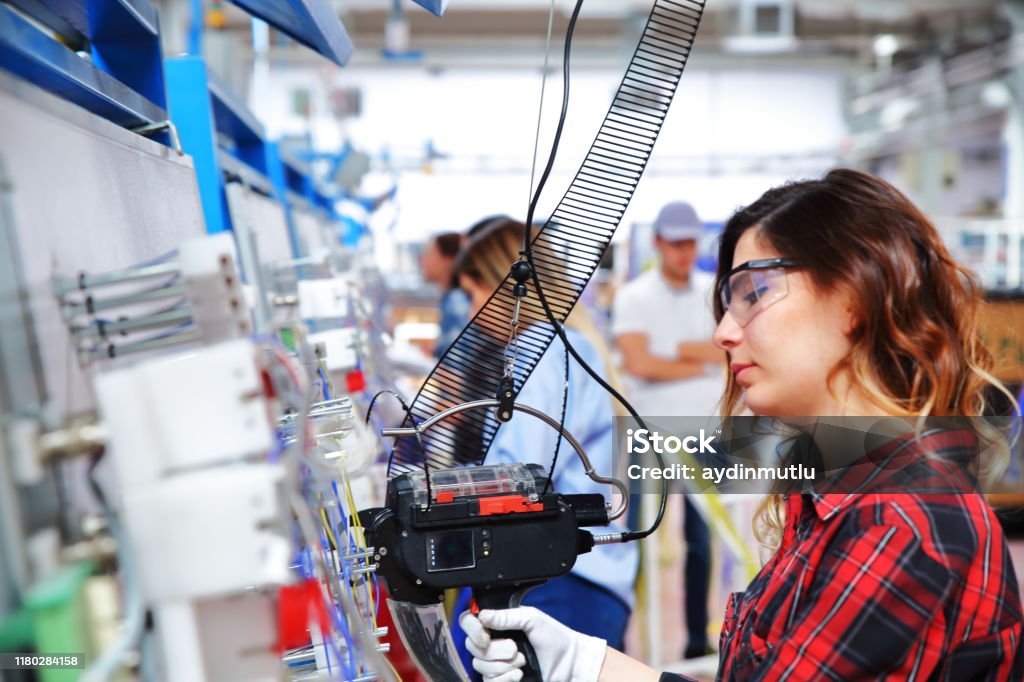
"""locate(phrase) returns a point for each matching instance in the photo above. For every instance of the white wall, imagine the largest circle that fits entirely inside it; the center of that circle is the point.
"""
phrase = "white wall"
(756, 126)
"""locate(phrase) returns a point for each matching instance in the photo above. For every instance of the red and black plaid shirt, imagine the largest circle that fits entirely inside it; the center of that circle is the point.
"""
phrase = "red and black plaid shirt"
(881, 586)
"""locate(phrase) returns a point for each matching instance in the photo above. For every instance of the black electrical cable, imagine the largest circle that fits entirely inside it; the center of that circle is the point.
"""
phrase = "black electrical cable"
(558, 130)
(527, 252)
(97, 490)
(559, 329)
(561, 422)
(388, 391)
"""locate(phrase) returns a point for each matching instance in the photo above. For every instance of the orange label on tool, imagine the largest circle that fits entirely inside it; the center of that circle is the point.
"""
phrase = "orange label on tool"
(508, 504)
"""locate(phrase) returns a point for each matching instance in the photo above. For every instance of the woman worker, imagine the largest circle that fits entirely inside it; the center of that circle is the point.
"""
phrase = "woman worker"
(838, 297)
(596, 597)
(437, 263)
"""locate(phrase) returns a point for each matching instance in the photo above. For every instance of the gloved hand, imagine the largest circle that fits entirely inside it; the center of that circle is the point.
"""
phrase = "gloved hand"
(564, 655)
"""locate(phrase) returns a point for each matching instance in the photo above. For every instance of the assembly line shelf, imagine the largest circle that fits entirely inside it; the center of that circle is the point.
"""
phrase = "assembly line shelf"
(117, 71)
(314, 23)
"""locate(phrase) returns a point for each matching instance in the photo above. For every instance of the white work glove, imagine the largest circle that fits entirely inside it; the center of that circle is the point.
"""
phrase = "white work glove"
(564, 655)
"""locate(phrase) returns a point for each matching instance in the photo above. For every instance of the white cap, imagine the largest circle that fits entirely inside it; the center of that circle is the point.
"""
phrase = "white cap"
(678, 221)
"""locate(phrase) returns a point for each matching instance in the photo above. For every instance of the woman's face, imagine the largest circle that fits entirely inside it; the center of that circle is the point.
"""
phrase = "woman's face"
(783, 356)
(435, 266)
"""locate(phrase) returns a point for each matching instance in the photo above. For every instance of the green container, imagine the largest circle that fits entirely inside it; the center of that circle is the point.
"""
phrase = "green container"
(59, 617)
(16, 632)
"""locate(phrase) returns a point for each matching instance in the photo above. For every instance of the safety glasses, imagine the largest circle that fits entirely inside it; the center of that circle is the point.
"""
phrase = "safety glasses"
(748, 289)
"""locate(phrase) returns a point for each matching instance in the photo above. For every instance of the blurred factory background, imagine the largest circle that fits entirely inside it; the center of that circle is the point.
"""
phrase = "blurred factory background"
(332, 139)
(925, 94)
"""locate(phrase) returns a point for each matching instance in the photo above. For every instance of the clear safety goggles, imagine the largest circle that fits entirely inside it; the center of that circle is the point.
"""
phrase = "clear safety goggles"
(748, 289)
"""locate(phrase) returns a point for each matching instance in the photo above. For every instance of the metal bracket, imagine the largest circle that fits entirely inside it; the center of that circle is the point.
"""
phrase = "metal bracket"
(160, 126)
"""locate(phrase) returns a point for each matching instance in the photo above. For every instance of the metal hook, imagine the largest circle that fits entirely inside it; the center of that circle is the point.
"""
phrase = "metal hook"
(172, 132)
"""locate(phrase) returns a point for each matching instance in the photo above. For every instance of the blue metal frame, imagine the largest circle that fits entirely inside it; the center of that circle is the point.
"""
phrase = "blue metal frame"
(188, 94)
(325, 200)
(297, 186)
(437, 7)
(297, 176)
(223, 136)
(217, 131)
(69, 20)
(314, 23)
(124, 40)
(124, 80)
(243, 136)
(195, 28)
(319, 193)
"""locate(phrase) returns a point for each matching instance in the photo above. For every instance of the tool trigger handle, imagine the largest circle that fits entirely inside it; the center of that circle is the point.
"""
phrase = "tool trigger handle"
(502, 599)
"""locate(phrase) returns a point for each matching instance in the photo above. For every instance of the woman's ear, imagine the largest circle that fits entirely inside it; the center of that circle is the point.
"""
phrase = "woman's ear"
(853, 320)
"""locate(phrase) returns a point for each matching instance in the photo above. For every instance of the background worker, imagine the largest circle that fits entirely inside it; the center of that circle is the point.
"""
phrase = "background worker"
(662, 325)
(437, 262)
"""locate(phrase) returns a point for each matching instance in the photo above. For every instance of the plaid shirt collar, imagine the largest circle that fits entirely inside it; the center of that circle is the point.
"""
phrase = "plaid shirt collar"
(935, 461)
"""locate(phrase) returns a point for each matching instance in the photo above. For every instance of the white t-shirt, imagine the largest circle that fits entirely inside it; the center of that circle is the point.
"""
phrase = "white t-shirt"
(668, 316)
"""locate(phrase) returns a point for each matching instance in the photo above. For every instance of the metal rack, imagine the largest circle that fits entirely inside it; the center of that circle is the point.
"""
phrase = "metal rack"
(213, 124)
(113, 66)
(313, 23)
(125, 199)
(227, 142)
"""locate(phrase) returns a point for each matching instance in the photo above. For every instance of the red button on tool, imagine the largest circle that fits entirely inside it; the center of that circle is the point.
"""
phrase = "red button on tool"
(508, 504)
(445, 496)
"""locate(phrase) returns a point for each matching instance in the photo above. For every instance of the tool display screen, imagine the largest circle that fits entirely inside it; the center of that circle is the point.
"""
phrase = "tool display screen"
(450, 551)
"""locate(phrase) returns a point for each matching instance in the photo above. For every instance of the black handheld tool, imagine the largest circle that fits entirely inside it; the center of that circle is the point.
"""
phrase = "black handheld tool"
(499, 530)
(488, 528)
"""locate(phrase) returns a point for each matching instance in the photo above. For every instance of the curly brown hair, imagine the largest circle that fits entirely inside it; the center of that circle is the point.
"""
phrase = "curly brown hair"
(916, 349)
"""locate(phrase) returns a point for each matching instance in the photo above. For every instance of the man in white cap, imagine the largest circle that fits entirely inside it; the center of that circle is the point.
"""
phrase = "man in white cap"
(662, 323)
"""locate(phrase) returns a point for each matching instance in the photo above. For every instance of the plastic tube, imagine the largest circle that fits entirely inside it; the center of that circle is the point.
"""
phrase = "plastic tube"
(111, 660)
